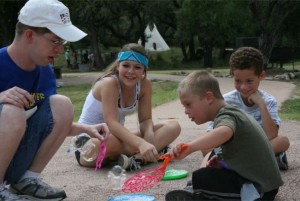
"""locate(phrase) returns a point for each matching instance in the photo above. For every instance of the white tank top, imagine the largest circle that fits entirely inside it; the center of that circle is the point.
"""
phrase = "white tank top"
(92, 111)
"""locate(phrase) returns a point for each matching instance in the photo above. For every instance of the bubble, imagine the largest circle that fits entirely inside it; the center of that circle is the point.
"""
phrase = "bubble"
(117, 177)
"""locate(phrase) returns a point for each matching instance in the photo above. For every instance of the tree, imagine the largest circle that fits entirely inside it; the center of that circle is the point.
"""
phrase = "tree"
(270, 16)
(87, 14)
(110, 23)
(8, 19)
(203, 20)
(290, 35)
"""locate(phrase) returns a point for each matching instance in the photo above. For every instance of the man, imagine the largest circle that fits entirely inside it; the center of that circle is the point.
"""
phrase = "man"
(34, 120)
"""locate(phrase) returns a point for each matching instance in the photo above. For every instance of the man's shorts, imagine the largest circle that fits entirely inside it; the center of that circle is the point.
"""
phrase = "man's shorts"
(39, 126)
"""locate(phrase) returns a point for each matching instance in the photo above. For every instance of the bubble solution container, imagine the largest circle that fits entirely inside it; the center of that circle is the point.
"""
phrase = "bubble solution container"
(87, 151)
(85, 146)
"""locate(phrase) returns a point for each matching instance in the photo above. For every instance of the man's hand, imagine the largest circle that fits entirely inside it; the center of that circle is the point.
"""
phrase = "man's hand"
(18, 97)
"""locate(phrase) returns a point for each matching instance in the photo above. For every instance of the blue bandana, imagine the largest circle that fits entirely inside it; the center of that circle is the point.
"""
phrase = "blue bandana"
(133, 56)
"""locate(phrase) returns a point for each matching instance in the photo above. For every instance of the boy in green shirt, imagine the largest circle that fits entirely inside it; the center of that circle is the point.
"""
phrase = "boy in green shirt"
(242, 162)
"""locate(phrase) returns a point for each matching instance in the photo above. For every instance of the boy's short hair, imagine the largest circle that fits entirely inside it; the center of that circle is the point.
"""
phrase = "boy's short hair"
(200, 82)
(246, 58)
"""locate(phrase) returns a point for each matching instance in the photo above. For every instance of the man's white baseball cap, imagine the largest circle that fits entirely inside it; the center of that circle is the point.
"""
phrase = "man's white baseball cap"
(51, 14)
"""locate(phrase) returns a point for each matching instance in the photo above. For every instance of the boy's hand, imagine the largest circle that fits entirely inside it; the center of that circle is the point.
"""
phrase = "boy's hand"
(255, 98)
(216, 162)
(179, 151)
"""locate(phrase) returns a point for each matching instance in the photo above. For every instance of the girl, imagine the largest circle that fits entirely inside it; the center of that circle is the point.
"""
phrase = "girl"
(123, 88)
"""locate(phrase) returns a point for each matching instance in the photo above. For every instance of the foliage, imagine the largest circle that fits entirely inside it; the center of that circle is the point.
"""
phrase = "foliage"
(198, 28)
(8, 19)
(270, 17)
(203, 28)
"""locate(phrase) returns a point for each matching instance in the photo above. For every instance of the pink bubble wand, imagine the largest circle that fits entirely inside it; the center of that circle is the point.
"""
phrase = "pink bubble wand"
(148, 178)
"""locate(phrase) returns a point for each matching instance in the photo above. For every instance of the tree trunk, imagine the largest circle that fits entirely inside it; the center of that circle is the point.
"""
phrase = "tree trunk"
(183, 49)
(99, 63)
(192, 51)
(208, 63)
(266, 45)
(5, 39)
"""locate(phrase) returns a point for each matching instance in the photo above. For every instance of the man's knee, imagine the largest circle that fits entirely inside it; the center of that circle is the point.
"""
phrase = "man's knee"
(63, 112)
(61, 106)
(12, 115)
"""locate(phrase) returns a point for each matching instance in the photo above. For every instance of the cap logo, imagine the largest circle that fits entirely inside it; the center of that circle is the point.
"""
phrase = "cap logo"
(65, 18)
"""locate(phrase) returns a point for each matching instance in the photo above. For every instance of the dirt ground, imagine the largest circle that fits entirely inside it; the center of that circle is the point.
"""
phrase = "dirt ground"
(86, 184)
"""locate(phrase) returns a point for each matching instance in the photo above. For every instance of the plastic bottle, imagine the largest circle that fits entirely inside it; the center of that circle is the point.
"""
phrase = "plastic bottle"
(117, 177)
(87, 151)
(83, 144)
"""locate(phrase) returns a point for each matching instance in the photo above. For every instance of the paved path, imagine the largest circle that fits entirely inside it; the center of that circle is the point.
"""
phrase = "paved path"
(86, 184)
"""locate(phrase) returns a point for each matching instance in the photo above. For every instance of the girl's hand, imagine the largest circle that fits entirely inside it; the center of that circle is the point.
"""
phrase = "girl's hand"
(99, 131)
(148, 152)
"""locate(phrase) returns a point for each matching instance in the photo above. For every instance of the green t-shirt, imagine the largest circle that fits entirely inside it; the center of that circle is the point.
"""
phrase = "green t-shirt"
(248, 152)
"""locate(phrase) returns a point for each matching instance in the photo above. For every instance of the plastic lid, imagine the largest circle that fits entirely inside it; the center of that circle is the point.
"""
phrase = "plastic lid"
(133, 197)
(172, 174)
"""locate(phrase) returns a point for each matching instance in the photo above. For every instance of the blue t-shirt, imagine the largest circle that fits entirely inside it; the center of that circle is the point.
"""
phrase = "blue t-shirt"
(40, 82)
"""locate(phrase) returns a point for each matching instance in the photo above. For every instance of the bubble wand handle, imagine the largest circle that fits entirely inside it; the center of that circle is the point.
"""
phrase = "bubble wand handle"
(167, 158)
(100, 155)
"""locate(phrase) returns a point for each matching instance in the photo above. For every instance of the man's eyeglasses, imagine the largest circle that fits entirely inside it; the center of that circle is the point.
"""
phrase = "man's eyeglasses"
(57, 42)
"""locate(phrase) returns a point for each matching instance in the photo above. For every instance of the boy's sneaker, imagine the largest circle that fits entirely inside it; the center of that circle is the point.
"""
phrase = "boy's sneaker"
(165, 150)
(129, 163)
(189, 186)
(6, 195)
(179, 195)
(282, 161)
(36, 189)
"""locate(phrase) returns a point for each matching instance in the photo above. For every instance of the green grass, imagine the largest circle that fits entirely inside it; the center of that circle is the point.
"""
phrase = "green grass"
(163, 92)
(290, 109)
(77, 94)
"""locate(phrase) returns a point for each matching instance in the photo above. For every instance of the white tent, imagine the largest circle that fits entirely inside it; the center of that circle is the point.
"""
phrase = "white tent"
(154, 41)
